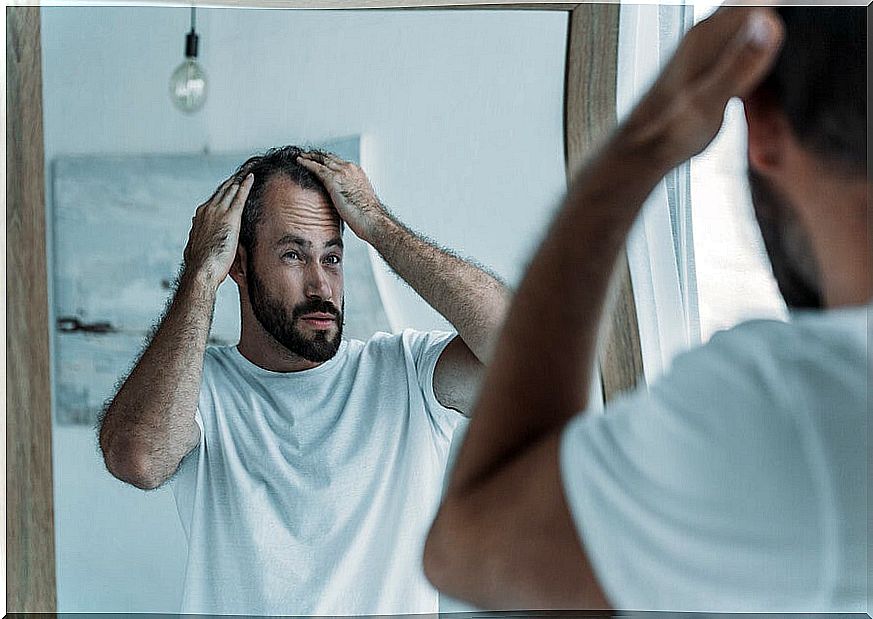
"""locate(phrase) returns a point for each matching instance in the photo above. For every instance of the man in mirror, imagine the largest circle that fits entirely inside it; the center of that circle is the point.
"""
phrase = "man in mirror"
(307, 466)
(737, 481)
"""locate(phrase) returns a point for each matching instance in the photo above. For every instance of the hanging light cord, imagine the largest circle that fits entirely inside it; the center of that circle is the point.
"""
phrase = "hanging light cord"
(191, 38)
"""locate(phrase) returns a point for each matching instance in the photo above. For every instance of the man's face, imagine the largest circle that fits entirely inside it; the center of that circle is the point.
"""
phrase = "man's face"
(787, 244)
(295, 275)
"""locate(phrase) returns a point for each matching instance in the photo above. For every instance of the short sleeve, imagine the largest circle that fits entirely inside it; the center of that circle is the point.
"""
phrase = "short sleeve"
(198, 419)
(426, 348)
(698, 495)
(187, 467)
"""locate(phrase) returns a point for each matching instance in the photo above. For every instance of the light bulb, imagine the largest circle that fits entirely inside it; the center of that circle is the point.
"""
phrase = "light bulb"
(188, 86)
(188, 82)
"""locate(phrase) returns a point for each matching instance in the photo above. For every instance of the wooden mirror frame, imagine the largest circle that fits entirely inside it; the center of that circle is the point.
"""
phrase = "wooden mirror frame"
(589, 114)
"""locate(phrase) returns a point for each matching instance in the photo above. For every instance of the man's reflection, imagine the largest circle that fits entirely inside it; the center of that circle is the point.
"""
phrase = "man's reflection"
(306, 468)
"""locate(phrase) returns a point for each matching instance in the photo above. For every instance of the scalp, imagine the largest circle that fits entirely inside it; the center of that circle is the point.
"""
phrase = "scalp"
(287, 205)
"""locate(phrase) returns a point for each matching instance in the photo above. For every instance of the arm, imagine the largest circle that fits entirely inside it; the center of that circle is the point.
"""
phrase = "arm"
(149, 426)
(504, 534)
(471, 299)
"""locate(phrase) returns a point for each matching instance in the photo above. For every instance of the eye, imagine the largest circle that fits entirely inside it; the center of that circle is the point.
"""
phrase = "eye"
(291, 255)
(333, 259)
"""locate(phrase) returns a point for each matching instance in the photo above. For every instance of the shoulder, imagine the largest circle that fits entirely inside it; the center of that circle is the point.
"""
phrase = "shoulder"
(767, 357)
(742, 362)
(735, 437)
(409, 342)
(844, 330)
(758, 382)
(217, 359)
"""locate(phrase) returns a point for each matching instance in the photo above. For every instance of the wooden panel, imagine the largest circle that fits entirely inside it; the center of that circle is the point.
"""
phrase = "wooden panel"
(589, 116)
(544, 5)
(30, 558)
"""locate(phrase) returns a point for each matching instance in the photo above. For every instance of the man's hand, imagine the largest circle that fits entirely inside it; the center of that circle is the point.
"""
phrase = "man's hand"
(724, 56)
(350, 189)
(214, 235)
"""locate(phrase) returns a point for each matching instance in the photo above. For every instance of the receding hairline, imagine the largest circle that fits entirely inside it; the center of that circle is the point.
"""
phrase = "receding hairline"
(279, 176)
(269, 168)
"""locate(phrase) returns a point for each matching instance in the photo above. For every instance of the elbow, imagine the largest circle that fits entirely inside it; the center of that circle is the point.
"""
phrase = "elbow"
(443, 555)
(136, 471)
(129, 463)
(141, 478)
(434, 556)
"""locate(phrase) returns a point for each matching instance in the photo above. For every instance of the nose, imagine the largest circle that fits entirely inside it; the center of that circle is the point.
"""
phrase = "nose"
(317, 283)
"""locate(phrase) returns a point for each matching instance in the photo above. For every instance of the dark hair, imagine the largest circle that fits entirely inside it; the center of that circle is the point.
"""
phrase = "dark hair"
(282, 160)
(819, 80)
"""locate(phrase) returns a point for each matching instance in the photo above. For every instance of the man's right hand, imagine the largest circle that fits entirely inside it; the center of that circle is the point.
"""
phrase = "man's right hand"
(724, 56)
(214, 235)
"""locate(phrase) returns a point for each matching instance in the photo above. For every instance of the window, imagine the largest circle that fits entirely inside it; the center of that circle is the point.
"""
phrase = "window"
(696, 256)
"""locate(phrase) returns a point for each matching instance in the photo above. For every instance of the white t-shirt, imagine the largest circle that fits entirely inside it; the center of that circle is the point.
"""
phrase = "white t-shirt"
(738, 482)
(311, 493)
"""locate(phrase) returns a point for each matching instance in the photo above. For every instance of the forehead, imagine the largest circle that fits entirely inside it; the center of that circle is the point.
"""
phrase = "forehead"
(288, 208)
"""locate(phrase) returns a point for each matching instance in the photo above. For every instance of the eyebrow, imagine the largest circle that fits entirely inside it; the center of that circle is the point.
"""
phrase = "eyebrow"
(293, 239)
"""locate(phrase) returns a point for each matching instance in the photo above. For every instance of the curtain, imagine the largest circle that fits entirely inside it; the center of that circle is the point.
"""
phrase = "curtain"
(660, 248)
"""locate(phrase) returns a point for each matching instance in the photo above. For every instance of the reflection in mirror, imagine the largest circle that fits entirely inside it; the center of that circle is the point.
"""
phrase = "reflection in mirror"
(291, 478)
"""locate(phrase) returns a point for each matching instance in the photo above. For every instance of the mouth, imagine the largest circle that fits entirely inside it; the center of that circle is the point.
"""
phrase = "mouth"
(319, 320)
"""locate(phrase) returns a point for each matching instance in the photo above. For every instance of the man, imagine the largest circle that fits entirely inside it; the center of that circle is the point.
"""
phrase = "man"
(314, 464)
(737, 482)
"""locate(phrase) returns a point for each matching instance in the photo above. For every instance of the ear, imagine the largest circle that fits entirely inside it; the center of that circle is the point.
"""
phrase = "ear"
(238, 268)
(768, 133)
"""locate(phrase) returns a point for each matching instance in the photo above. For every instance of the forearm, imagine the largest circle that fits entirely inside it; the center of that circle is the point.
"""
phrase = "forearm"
(471, 299)
(147, 429)
(544, 360)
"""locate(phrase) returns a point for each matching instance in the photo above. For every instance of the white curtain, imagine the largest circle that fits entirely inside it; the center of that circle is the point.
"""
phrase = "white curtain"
(660, 251)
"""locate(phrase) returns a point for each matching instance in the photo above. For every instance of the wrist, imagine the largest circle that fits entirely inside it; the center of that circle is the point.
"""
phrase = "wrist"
(644, 141)
(197, 281)
(625, 171)
(606, 196)
(381, 231)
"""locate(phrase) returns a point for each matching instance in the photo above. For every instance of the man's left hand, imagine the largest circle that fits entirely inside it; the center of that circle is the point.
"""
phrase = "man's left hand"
(350, 189)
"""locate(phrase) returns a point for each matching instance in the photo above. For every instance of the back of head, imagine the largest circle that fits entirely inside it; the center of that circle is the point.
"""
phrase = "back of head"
(275, 161)
(819, 81)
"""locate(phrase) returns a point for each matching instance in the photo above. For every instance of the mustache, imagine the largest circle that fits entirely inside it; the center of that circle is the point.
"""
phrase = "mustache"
(315, 306)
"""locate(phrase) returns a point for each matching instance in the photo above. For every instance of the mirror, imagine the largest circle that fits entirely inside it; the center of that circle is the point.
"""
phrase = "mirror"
(455, 116)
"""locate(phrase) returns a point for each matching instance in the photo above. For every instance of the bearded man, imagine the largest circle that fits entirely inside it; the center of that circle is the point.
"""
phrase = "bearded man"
(737, 481)
(306, 468)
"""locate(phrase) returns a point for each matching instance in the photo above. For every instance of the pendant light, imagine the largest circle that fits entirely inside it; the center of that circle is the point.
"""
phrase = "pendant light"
(188, 82)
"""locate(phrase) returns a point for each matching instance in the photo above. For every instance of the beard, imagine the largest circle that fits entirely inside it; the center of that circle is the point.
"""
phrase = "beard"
(788, 247)
(284, 327)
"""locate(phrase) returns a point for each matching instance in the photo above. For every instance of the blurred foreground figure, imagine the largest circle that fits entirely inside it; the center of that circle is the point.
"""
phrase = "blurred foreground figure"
(738, 481)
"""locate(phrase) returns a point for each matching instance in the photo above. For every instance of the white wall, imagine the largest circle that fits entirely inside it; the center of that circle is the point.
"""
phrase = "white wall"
(461, 118)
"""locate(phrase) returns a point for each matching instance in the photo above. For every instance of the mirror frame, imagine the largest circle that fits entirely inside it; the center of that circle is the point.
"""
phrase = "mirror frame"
(589, 115)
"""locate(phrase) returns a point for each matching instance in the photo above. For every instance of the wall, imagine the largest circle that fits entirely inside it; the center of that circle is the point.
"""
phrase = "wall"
(461, 121)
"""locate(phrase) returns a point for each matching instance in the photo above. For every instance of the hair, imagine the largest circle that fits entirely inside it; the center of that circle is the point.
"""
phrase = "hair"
(282, 160)
(819, 80)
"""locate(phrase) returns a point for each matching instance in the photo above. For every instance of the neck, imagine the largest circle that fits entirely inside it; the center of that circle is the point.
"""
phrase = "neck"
(837, 222)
